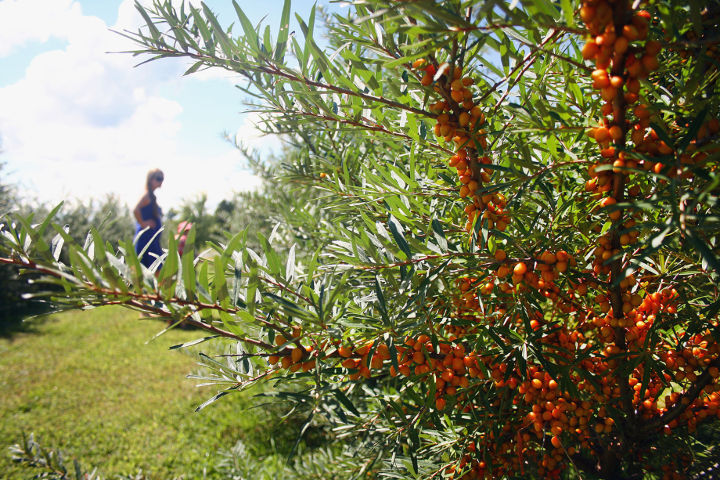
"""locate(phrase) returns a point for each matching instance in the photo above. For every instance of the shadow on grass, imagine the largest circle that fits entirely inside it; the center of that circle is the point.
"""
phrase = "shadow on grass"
(18, 318)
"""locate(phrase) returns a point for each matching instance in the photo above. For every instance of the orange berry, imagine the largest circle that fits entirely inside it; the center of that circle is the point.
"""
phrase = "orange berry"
(296, 354)
(630, 32)
(419, 63)
(650, 62)
(600, 77)
(608, 93)
(616, 133)
(590, 50)
(621, 45)
(601, 134)
(587, 13)
(607, 201)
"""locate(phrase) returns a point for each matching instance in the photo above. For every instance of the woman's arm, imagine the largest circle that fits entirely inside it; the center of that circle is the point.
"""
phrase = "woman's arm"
(149, 223)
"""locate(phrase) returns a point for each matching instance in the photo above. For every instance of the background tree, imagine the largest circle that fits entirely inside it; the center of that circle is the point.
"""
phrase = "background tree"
(11, 300)
(194, 211)
(510, 266)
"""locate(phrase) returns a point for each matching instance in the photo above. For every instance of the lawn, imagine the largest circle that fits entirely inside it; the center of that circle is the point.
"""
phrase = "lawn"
(93, 385)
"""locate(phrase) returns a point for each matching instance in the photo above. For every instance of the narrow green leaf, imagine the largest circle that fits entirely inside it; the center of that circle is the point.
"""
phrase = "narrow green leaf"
(193, 342)
(283, 33)
(218, 31)
(397, 233)
(290, 264)
(154, 32)
(345, 401)
(194, 68)
(250, 33)
(439, 234)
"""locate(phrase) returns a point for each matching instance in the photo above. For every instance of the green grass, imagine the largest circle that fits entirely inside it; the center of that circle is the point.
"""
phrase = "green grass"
(90, 384)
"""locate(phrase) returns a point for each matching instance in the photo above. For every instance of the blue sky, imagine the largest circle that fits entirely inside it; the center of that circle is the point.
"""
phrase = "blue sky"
(79, 122)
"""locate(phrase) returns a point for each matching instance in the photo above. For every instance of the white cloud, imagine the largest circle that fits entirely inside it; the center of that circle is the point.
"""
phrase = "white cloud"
(187, 177)
(23, 21)
(84, 123)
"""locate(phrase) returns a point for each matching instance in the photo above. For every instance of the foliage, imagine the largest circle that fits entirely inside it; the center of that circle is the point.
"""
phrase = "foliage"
(287, 216)
(109, 216)
(22, 296)
(52, 462)
(13, 307)
(509, 266)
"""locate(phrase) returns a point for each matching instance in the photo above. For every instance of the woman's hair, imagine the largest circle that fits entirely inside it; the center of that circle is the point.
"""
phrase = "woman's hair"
(155, 172)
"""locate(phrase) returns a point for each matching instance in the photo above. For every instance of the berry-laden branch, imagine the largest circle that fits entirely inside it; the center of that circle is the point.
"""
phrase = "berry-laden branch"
(558, 337)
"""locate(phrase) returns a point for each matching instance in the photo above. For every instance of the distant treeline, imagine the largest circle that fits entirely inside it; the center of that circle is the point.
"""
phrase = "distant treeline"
(115, 222)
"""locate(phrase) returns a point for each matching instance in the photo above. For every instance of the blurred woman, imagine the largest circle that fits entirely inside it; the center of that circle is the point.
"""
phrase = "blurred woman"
(149, 220)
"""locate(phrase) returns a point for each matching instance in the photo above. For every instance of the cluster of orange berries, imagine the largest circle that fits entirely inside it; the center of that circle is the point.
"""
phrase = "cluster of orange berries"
(360, 363)
(547, 266)
(554, 422)
(459, 120)
(546, 423)
(614, 49)
(615, 33)
(294, 358)
(657, 153)
(620, 63)
(541, 276)
(697, 354)
(540, 273)
(490, 205)
(450, 365)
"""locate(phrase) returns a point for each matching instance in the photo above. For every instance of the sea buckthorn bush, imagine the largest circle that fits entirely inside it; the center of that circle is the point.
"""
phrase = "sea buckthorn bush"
(504, 262)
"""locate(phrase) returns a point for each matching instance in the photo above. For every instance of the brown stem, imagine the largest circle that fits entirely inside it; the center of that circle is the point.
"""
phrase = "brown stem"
(275, 71)
(622, 17)
(365, 126)
(609, 461)
(418, 260)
